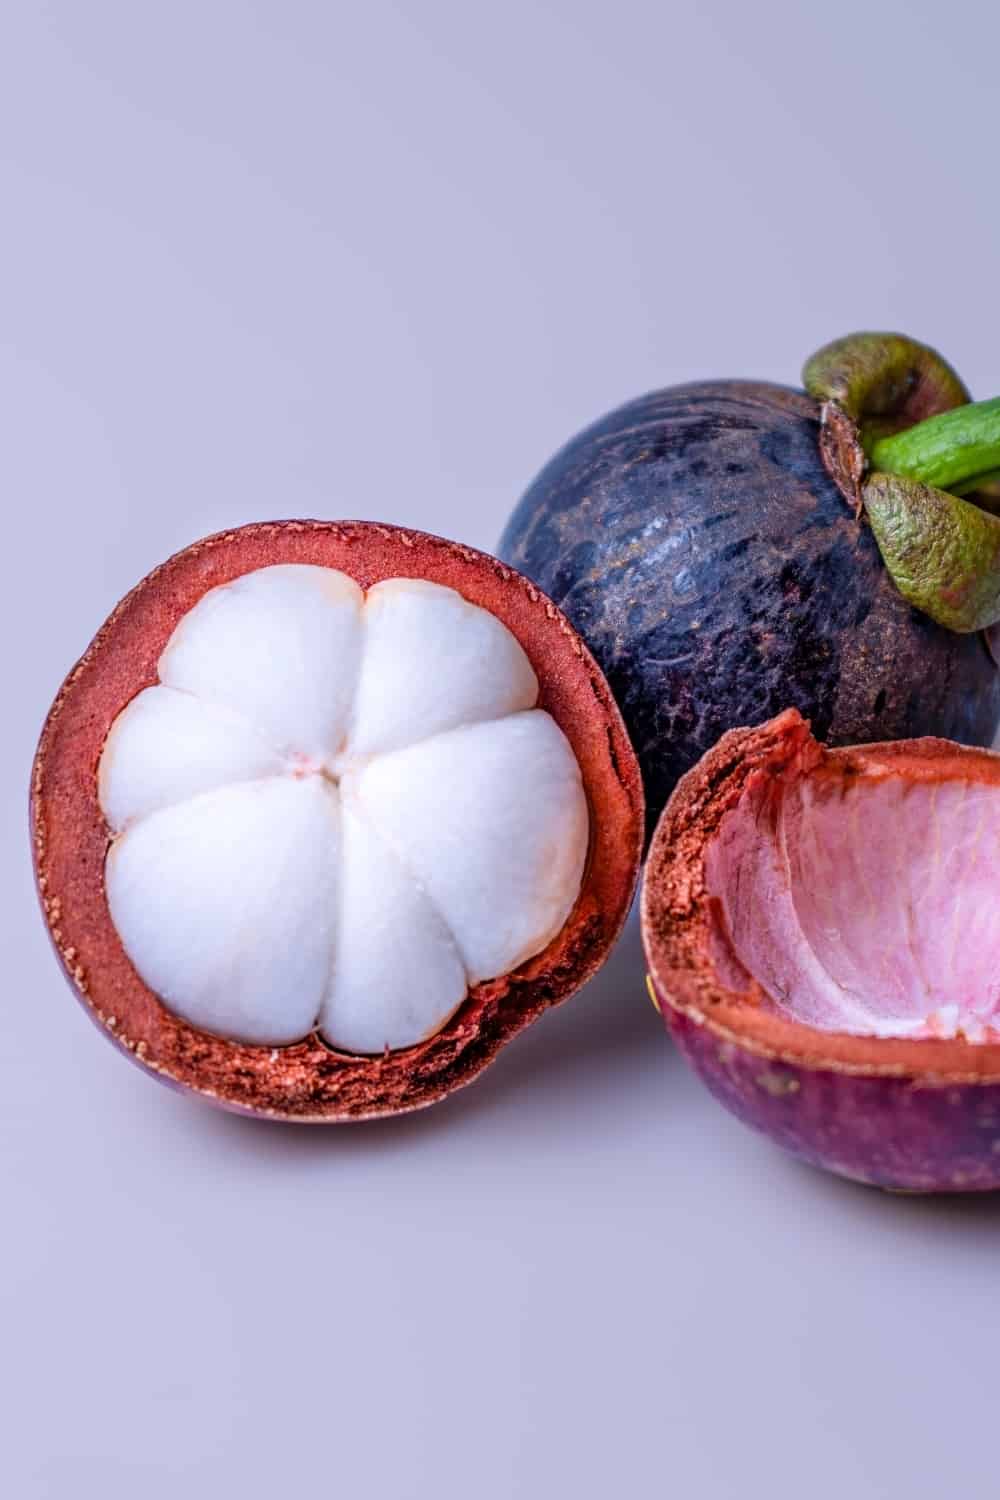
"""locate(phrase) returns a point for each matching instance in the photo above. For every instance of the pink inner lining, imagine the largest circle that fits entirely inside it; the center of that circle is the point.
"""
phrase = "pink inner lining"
(866, 906)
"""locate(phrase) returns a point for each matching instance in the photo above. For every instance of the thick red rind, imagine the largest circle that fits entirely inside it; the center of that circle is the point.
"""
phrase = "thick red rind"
(677, 912)
(916, 1115)
(310, 1082)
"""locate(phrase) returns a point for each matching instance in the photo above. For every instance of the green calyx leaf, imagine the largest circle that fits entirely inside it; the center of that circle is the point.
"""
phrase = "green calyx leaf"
(943, 552)
(884, 381)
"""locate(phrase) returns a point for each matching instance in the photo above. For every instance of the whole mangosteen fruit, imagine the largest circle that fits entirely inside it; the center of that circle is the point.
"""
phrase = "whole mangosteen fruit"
(327, 813)
(718, 544)
(821, 932)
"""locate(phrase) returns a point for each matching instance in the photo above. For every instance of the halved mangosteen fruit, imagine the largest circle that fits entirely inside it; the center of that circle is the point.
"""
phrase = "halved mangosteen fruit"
(327, 813)
(823, 936)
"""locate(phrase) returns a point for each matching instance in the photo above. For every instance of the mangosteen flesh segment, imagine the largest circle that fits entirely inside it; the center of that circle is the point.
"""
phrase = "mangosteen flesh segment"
(822, 940)
(337, 811)
(696, 540)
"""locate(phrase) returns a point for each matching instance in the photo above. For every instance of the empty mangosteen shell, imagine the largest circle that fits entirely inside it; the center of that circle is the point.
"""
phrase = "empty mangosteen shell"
(309, 1081)
(921, 1115)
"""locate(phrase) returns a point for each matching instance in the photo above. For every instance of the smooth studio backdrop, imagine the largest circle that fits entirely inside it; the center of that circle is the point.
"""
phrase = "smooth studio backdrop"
(277, 258)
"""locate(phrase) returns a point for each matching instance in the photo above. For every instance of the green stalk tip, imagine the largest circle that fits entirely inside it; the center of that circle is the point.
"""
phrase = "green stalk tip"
(955, 449)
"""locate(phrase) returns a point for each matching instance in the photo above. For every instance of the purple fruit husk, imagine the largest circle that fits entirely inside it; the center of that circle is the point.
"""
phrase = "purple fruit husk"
(893, 1132)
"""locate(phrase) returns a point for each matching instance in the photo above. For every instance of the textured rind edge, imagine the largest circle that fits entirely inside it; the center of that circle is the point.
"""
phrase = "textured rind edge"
(309, 1082)
(676, 907)
(915, 1116)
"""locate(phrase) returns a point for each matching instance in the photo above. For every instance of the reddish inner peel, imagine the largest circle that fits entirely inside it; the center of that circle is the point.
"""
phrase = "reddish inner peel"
(864, 904)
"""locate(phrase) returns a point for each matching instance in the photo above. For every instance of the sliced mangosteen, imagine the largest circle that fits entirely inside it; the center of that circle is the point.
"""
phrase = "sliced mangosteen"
(822, 935)
(730, 548)
(327, 813)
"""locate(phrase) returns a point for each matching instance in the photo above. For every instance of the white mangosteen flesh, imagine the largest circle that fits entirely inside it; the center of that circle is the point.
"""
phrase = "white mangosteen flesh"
(864, 905)
(337, 811)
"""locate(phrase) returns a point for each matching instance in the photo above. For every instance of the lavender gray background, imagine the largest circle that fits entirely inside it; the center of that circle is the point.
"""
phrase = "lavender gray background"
(270, 259)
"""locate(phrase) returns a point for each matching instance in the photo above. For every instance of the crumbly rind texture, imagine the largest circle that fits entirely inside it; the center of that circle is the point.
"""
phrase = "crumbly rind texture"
(310, 1082)
(920, 1115)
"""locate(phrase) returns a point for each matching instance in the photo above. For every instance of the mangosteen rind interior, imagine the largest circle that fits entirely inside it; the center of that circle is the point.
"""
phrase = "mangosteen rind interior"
(829, 908)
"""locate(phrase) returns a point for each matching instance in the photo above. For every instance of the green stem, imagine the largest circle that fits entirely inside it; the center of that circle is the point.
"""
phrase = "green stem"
(951, 451)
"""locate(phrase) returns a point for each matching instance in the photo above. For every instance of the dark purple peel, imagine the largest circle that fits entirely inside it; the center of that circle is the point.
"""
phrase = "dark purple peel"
(819, 931)
(699, 544)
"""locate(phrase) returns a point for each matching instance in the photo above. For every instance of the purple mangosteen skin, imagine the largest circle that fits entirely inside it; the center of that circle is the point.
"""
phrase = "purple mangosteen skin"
(698, 544)
(892, 1132)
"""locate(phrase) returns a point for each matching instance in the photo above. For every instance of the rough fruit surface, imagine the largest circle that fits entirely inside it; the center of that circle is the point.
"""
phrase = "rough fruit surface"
(821, 943)
(337, 811)
(696, 541)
